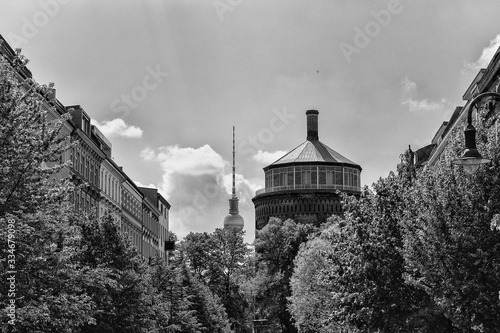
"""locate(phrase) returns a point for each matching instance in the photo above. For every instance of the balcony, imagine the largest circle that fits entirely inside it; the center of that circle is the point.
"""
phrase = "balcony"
(308, 187)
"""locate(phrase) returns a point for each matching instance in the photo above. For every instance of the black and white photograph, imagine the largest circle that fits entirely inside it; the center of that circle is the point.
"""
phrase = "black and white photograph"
(250, 166)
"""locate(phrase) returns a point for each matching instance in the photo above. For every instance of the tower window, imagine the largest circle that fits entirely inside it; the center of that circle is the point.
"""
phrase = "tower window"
(306, 177)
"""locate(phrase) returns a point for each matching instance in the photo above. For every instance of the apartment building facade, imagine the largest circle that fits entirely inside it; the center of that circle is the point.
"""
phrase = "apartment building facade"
(101, 185)
(487, 80)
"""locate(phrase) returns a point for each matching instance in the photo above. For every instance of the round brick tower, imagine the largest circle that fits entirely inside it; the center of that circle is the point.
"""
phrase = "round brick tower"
(303, 185)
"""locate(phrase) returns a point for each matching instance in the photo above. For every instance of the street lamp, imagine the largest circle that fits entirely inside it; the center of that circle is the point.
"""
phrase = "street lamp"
(471, 158)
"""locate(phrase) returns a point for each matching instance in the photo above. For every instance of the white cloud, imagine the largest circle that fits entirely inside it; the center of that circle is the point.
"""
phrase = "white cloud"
(197, 183)
(267, 158)
(118, 127)
(414, 104)
(408, 85)
(147, 154)
(139, 184)
(486, 56)
(176, 161)
(245, 190)
(190, 161)
(425, 105)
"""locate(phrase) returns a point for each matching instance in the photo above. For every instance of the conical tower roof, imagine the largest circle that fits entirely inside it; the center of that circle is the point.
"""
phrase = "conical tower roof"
(312, 150)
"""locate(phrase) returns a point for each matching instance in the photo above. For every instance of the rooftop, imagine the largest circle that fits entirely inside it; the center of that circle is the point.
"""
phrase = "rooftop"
(312, 150)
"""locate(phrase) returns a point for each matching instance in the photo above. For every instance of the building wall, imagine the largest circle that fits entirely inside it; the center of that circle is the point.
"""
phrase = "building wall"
(304, 207)
(487, 80)
(100, 183)
(150, 230)
(132, 213)
(306, 193)
(151, 222)
(110, 183)
(312, 177)
(163, 207)
(86, 160)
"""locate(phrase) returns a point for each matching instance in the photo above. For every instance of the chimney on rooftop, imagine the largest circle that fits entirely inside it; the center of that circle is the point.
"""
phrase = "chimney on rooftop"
(312, 125)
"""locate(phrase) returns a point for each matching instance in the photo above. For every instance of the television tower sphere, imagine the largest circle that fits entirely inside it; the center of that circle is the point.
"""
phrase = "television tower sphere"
(233, 220)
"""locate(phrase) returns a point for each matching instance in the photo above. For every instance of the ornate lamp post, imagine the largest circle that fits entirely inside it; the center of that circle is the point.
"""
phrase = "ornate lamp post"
(471, 158)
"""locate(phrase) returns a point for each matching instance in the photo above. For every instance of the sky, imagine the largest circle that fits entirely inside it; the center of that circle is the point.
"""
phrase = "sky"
(166, 80)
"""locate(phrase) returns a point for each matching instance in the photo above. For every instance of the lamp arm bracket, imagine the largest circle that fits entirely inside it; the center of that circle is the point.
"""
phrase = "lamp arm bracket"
(476, 99)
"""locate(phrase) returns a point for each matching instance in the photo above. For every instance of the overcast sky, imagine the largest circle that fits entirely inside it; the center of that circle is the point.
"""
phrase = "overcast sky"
(166, 81)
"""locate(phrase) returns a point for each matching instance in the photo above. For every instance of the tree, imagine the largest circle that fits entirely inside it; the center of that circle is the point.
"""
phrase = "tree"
(216, 260)
(312, 300)
(450, 250)
(116, 277)
(28, 141)
(174, 309)
(37, 235)
(356, 267)
(209, 309)
(48, 295)
(356, 270)
(276, 246)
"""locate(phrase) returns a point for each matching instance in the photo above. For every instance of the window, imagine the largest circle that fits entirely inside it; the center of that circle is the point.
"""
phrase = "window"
(298, 177)
(77, 161)
(84, 125)
(351, 177)
(289, 176)
(306, 177)
(338, 178)
(91, 173)
(276, 179)
(86, 168)
(268, 183)
(314, 175)
(329, 177)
